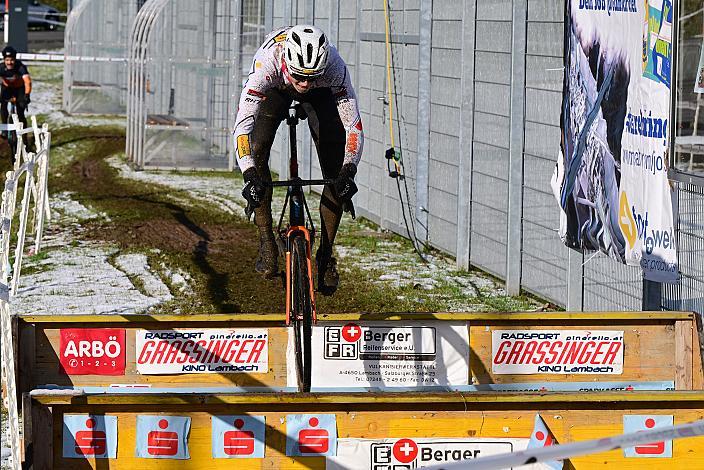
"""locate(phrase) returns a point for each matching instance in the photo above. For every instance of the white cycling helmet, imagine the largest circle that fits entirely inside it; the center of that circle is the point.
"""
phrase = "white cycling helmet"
(306, 51)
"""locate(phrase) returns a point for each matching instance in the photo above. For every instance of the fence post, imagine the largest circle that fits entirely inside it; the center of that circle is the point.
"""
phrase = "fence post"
(575, 281)
(268, 15)
(515, 177)
(652, 295)
(423, 129)
(334, 22)
(466, 152)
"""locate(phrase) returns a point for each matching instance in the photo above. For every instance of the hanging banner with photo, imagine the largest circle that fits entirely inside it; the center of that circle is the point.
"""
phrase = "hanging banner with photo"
(611, 176)
(699, 78)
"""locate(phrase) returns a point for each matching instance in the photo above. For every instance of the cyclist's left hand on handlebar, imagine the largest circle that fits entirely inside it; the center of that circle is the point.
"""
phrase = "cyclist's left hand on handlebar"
(254, 190)
(27, 99)
(344, 184)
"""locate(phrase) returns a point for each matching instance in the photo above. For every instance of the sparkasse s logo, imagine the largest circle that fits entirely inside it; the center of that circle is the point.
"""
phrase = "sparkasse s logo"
(409, 454)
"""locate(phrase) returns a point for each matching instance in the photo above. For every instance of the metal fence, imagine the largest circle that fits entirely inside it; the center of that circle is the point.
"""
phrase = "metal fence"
(184, 69)
(479, 87)
(476, 87)
(95, 51)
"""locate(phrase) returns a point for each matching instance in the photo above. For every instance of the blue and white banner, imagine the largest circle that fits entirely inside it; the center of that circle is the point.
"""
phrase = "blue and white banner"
(311, 435)
(90, 436)
(163, 437)
(611, 177)
(238, 437)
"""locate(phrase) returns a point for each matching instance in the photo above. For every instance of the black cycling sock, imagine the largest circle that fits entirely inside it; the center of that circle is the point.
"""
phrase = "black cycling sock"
(330, 215)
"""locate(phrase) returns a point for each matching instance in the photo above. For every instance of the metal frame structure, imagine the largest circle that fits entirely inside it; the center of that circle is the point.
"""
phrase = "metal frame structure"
(183, 66)
(95, 45)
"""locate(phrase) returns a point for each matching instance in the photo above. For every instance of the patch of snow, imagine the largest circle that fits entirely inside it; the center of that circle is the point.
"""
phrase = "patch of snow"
(71, 210)
(80, 280)
(78, 277)
(136, 265)
(181, 280)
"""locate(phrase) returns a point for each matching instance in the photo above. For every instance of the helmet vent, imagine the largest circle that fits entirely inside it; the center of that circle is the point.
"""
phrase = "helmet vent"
(309, 50)
(296, 38)
(308, 30)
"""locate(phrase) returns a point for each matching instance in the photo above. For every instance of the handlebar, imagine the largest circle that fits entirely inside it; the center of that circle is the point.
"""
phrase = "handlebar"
(347, 206)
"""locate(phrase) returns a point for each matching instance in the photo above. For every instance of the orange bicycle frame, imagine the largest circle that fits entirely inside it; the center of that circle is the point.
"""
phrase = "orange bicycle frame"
(306, 234)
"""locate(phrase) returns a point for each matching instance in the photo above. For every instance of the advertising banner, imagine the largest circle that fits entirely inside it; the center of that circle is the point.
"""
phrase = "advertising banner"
(192, 351)
(163, 437)
(611, 176)
(92, 351)
(406, 453)
(659, 449)
(238, 437)
(90, 436)
(311, 435)
(388, 354)
(556, 352)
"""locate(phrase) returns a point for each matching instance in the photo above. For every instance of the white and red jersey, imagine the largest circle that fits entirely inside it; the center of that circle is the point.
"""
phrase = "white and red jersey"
(269, 71)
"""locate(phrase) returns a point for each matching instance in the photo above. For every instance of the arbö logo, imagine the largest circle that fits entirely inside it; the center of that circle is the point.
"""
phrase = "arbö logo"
(86, 351)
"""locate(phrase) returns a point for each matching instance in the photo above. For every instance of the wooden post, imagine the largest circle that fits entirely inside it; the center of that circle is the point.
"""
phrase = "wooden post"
(683, 355)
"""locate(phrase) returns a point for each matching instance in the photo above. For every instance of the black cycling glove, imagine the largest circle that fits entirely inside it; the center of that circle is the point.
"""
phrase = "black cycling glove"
(254, 190)
(27, 100)
(344, 184)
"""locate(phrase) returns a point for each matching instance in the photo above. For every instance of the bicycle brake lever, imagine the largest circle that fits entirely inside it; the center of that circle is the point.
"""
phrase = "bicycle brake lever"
(248, 211)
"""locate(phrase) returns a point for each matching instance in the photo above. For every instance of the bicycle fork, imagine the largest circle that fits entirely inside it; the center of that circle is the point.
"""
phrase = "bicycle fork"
(290, 234)
(298, 227)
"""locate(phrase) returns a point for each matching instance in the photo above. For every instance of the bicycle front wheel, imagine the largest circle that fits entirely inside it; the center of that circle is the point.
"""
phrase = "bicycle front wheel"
(302, 311)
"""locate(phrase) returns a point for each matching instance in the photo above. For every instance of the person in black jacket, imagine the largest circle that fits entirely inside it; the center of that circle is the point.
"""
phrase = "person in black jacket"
(16, 85)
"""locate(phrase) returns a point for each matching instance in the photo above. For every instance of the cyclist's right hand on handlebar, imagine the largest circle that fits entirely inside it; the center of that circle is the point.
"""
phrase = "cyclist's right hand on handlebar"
(254, 189)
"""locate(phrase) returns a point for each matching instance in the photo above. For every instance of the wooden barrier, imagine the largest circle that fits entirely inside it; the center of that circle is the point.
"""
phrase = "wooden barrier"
(658, 347)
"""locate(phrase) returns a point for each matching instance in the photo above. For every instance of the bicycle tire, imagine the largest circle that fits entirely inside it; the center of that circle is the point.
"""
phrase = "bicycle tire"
(302, 312)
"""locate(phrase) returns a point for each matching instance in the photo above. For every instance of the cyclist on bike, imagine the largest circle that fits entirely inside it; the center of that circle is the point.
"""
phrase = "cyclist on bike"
(298, 63)
(16, 85)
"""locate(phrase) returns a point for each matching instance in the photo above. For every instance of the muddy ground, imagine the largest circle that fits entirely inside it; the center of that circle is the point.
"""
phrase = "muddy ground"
(217, 249)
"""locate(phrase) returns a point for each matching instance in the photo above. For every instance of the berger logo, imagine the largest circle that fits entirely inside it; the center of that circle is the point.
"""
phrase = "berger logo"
(407, 454)
(88, 351)
(626, 221)
(373, 343)
(342, 342)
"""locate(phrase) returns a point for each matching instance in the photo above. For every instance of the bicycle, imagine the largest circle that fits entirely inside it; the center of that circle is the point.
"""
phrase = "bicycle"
(10, 133)
(296, 241)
